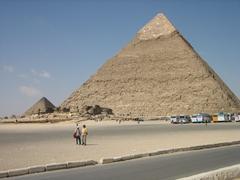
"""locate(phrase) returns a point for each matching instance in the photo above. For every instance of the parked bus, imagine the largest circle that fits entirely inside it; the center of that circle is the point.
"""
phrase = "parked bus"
(201, 118)
(221, 117)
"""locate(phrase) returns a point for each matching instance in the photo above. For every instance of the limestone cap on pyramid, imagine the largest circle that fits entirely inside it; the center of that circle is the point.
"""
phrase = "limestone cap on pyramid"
(158, 26)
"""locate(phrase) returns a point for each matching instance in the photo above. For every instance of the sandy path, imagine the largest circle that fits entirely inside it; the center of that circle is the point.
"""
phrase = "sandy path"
(20, 145)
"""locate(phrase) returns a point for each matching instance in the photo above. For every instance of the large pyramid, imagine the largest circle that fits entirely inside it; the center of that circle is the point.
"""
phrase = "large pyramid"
(42, 106)
(157, 73)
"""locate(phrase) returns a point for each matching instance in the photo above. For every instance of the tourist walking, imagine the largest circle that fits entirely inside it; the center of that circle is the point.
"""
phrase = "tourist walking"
(84, 135)
(77, 135)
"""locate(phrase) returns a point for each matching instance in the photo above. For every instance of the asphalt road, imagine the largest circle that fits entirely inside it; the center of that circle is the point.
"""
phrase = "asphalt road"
(154, 168)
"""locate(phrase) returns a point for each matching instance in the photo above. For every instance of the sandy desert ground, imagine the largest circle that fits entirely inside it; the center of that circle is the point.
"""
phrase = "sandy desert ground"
(24, 145)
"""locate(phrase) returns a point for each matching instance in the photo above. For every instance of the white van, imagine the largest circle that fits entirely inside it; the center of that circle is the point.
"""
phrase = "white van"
(175, 119)
(185, 119)
(194, 118)
(203, 118)
(237, 117)
(182, 119)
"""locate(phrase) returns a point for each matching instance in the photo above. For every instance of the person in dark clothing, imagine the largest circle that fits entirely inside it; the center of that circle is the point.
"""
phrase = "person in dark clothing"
(77, 135)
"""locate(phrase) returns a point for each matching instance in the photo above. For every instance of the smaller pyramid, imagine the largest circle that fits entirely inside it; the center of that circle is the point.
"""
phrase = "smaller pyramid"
(41, 107)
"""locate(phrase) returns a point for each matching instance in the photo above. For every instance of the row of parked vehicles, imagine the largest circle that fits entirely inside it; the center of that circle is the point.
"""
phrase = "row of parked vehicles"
(206, 118)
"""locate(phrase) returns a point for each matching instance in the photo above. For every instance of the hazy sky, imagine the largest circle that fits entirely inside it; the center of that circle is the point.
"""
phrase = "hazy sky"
(50, 47)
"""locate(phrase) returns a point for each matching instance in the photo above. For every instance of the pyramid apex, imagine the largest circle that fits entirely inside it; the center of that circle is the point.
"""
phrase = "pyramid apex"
(158, 26)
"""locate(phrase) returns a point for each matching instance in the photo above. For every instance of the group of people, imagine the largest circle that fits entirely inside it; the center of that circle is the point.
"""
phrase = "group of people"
(81, 135)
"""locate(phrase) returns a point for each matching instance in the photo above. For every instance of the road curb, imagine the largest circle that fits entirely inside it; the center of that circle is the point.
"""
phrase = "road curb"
(102, 161)
(161, 152)
(129, 157)
(106, 160)
(142, 155)
(56, 166)
(74, 164)
(3, 174)
(18, 172)
(230, 172)
(90, 163)
(36, 169)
